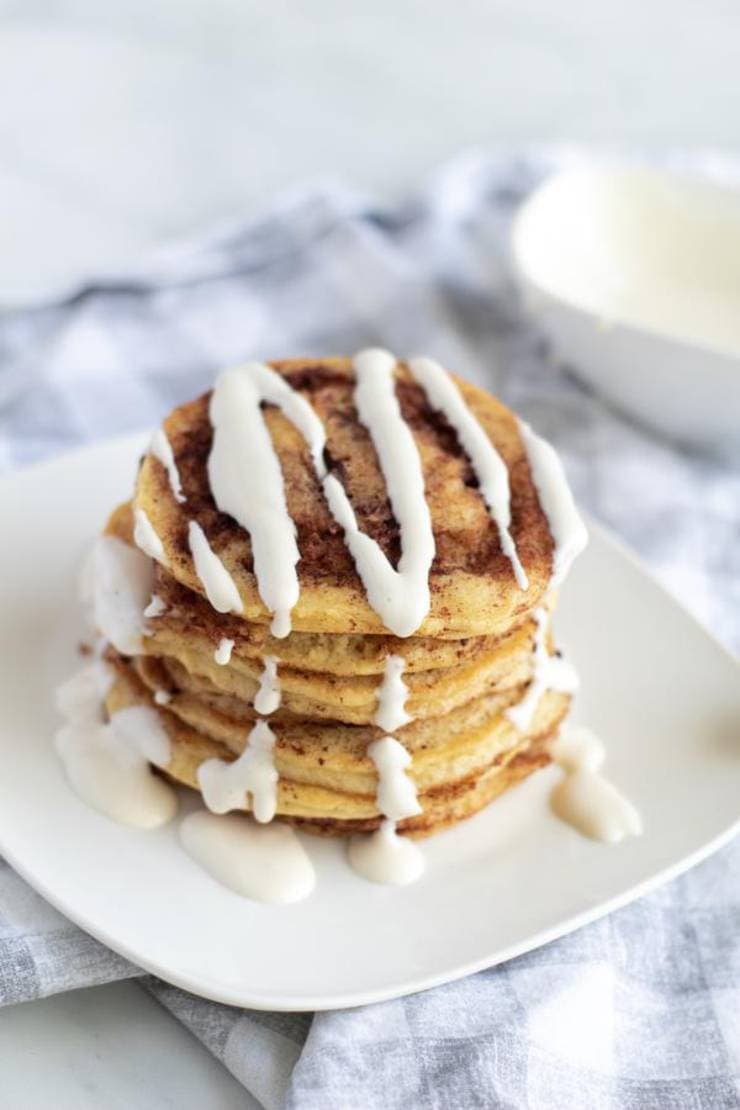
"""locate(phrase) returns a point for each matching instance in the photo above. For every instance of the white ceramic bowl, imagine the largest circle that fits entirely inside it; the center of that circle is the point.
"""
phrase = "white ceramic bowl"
(634, 276)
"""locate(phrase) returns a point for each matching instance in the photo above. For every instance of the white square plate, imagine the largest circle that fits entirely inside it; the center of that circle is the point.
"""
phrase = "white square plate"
(663, 695)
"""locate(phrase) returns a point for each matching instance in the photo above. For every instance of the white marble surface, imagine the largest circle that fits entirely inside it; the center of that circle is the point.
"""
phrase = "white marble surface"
(125, 123)
(109, 1047)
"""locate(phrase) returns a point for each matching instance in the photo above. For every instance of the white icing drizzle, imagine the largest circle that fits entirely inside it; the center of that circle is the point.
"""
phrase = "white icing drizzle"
(222, 654)
(140, 728)
(399, 597)
(162, 697)
(556, 500)
(80, 698)
(246, 479)
(392, 694)
(490, 468)
(384, 856)
(396, 791)
(242, 447)
(155, 608)
(146, 538)
(225, 785)
(161, 449)
(268, 697)
(584, 798)
(550, 672)
(266, 863)
(220, 587)
(107, 764)
(122, 583)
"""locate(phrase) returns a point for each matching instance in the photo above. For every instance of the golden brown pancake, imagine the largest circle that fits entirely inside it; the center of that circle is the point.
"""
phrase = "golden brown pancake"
(474, 592)
(346, 698)
(326, 775)
(191, 615)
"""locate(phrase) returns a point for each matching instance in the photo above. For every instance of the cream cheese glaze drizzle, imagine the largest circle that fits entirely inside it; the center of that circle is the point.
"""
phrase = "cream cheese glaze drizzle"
(584, 798)
(247, 482)
(390, 713)
(399, 597)
(225, 785)
(122, 582)
(218, 584)
(107, 763)
(146, 538)
(155, 608)
(161, 449)
(550, 673)
(384, 856)
(222, 654)
(556, 500)
(242, 446)
(260, 861)
(268, 697)
(490, 468)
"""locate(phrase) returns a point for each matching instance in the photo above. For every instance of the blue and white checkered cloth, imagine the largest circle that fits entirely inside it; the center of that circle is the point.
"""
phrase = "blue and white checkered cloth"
(641, 1009)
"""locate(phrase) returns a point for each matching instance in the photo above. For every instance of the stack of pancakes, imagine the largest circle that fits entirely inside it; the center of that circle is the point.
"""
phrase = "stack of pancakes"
(470, 660)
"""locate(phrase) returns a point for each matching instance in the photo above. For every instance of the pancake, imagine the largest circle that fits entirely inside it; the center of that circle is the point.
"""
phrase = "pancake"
(473, 589)
(344, 698)
(443, 749)
(189, 616)
(327, 777)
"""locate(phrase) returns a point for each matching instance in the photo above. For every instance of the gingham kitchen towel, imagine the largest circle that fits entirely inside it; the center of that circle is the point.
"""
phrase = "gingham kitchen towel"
(641, 1009)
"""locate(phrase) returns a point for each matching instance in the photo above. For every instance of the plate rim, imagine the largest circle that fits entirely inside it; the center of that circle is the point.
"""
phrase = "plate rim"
(321, 1003)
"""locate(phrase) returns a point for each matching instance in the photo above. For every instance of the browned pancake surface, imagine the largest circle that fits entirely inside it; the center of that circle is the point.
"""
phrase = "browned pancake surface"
(472, 583)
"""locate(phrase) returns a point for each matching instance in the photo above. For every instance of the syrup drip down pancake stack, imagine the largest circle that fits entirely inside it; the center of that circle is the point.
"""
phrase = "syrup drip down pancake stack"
(333, 586)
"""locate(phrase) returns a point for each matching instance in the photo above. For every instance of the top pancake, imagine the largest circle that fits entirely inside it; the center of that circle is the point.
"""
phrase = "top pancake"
(473, 589)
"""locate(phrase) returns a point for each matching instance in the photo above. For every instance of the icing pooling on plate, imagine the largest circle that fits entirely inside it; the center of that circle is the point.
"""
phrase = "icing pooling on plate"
(269, 695)
(122, 584)
(225, 785)
(222, 654)
(384, 856)
(392, 694)
(556, 500)
(490, 469)
(146, 538)
(108, 763)
(550, 673)
(218, 584)
(161, 449)
(265, 862)
(584, 798)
